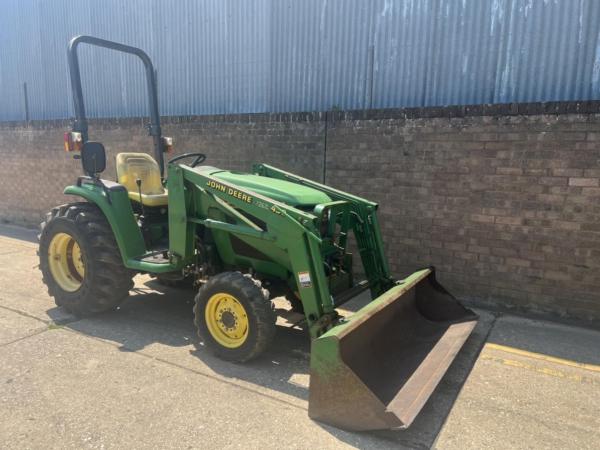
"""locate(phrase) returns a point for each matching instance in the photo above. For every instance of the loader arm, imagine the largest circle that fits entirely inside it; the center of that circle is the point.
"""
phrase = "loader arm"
(364, 224)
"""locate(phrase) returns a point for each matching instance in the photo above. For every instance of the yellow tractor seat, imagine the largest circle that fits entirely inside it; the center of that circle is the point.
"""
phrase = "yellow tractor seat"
(133, 166)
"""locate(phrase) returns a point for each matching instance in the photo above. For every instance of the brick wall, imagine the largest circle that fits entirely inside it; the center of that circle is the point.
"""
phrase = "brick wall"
(507, 207)
(503, 199)
(34, 168)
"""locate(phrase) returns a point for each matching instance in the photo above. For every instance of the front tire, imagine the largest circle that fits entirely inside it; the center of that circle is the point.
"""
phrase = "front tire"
(80, 262)
(234, 316)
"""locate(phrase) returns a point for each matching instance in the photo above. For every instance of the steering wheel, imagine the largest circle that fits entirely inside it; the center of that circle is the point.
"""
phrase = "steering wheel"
(200, 157)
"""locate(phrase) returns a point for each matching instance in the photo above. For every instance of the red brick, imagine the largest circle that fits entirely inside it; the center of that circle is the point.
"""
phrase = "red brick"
(591, 173)
(509, 171)
(588, 182)
(518, 262)
(553, 181)
(567, 172)
(509, 220)
(482, 218)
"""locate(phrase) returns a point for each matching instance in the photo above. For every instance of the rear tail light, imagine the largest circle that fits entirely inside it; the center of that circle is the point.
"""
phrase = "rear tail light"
(167, 144)
(73, 141)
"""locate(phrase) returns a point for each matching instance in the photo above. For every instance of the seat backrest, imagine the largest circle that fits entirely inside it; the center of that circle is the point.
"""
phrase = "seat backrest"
(131, 166)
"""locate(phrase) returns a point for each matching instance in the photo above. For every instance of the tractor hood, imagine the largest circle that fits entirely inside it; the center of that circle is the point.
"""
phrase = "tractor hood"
(283, 191)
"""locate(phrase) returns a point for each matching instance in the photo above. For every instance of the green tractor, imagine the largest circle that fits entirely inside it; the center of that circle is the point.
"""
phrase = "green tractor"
(242, 239)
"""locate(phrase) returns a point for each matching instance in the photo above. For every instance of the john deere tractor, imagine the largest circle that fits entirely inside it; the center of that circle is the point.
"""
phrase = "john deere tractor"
(242, 239)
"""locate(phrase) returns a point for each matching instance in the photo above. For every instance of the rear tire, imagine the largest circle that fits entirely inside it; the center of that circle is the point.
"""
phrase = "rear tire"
(234, 316)
(80, 261)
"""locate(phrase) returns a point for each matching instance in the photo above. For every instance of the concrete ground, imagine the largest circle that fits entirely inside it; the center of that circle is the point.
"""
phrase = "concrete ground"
(133, 379)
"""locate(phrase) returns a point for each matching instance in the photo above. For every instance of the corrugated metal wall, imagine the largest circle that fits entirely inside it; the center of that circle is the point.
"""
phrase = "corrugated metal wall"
(233, 56)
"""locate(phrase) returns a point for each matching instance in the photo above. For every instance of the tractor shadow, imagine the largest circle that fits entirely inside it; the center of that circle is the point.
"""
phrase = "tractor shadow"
(146, 318)
(157, 321)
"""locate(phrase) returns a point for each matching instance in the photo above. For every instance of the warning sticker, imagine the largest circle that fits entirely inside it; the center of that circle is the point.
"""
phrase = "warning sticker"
(304, 279)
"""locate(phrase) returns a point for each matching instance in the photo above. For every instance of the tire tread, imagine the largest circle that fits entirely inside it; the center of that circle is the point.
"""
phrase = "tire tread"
(260, 307)
(111, 281)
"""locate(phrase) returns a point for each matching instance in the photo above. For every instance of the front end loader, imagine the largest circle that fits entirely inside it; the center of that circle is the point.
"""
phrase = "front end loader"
(242, 239)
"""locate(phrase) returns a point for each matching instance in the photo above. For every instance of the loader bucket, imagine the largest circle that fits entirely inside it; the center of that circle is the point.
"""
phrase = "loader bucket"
(377, 370)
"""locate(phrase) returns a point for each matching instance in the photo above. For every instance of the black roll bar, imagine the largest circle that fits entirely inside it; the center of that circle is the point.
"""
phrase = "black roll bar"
(80, 124)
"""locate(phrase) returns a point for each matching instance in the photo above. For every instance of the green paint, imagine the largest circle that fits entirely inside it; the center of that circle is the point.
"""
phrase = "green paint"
(181, 232)
(283, 191)
(119, 215)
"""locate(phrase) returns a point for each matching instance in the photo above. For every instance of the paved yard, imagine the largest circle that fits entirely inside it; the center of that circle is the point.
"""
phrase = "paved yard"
(133, 379)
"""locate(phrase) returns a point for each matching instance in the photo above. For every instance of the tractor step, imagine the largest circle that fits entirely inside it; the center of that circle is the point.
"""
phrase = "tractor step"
(155, 256)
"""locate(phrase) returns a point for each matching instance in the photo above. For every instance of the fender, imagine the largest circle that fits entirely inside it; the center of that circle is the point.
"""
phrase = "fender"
(119, 214)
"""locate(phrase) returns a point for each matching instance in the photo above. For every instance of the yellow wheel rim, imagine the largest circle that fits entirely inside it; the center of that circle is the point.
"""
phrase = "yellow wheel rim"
(66, 262)
(226, 320)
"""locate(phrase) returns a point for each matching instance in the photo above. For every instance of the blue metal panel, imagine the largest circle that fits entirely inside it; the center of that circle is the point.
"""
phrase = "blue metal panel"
(234, 56)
